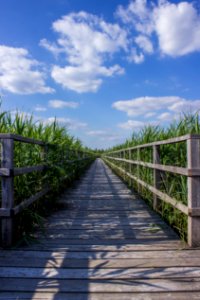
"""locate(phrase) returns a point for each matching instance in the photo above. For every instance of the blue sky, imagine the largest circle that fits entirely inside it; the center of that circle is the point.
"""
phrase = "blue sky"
(103, 68)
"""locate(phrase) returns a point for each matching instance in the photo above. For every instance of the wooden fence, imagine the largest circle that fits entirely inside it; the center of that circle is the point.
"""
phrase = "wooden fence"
(191, 171)
(8, 171)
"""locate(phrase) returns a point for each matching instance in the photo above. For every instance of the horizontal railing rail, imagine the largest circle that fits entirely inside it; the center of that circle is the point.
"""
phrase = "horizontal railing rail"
(8, 171)
(191, 171)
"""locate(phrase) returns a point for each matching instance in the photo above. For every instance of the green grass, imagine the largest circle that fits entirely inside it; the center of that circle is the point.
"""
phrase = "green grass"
(61, 147)
(172, 154)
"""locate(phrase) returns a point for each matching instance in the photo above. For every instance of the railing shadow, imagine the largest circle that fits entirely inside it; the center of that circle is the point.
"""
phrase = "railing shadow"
(84, 242)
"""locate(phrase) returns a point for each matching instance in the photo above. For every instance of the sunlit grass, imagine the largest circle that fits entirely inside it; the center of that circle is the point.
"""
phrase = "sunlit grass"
(61, 147)
(172, 154)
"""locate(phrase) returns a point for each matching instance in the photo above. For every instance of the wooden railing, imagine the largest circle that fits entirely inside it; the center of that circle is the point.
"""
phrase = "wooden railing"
(8, 171)
(191, 171)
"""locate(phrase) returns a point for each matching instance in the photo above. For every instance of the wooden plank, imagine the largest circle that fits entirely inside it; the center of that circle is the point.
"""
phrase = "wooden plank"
(124, 263)
(26, 170)
(193, 159)
(117, 286)
(156, 175)
(90, 252)
(5, 172)
(194, 212)
(164, 142)
(30, 200)
(126, 252)
(175, 203)
(157, 166)
(101, 273)
(5, 212)
(20, 138)
(20, 171)
(38, 295)
(7, 184)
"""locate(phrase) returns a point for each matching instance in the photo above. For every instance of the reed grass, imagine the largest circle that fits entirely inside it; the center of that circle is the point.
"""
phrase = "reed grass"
(172, 154)
(61, 146)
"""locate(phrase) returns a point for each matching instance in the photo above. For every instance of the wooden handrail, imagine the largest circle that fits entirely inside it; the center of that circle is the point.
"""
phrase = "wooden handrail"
(192, 172)
(8, 171)
(159, 143)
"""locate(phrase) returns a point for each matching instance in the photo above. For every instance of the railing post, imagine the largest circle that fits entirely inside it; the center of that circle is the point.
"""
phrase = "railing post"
(138, 170)
(124, 164)
(156, 174)
(193, 161)
(130, 167)
(7, 190)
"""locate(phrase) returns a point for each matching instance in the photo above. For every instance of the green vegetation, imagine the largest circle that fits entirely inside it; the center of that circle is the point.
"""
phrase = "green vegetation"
(61, 148)
(172, 154)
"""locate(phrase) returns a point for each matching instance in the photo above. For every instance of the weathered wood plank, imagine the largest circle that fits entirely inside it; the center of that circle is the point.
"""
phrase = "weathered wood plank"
(30, 200)
(99, 247)
(7, 184)
(177, 204)
(99, 296)
(85, 263)
(101, 273)
(95, 286)
(193, 158)
(164, 142)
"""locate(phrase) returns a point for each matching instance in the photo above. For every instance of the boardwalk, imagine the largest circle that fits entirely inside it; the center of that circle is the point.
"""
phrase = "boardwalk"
(105, 243)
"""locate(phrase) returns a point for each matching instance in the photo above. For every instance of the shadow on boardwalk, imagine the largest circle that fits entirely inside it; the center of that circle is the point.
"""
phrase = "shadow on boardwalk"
(105, 242)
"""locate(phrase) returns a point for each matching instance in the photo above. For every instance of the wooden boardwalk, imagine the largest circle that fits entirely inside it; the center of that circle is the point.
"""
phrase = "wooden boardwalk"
(105, 243)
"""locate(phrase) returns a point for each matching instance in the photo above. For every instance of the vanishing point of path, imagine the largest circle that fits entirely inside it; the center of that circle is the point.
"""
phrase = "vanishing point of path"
(104, 243)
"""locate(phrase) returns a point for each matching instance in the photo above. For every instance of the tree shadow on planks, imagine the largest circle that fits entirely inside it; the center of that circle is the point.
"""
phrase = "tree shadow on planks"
(86, 244)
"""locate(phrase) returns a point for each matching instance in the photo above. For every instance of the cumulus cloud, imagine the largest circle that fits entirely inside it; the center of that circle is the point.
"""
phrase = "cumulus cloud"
(87, 43)
(21, 74)
(63, 104)
(96, 132)
(144, 43)
(157, 108)
(40, 108)
(145, 105)
(135, 57)
(131, 124)
(138, 14)
(104, 135)
(176, 26)
(69, 123)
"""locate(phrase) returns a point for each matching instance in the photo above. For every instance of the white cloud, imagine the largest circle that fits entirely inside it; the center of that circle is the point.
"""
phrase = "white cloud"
(176, 26)
(159, 108)
(96, 132)
(135, 57)
(104, 135)
(52, 47)
(145, 105)
(83, 78)
(150, 115)
(40, 108)
(131, 124)
(63, 104)
(87, 42)
(185, 106)
(144, 43)
(138, 14)
(166, 116)
(19, 73)
(69, 123)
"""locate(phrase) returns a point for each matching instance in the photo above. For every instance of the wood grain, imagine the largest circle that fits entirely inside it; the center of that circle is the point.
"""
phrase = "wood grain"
(100, 246)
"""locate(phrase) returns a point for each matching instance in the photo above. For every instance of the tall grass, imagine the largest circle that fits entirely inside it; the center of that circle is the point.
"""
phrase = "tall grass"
(171, 154)
(61, 147)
